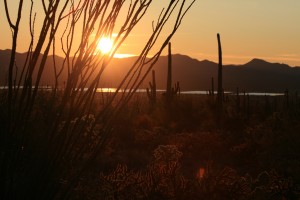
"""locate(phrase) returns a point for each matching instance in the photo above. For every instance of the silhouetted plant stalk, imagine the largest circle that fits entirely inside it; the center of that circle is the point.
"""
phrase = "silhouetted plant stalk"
(170, 91)
(176, 89)
(286, 98)
(220, 75)
(211, 91)
(248, 106)
(212, 87)
(151, 91)
(15, 32)
(169, 77)
(60, 145)
(237, 100)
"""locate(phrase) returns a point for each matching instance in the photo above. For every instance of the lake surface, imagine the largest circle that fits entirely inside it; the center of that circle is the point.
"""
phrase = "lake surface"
(199, 92)
(182, 92)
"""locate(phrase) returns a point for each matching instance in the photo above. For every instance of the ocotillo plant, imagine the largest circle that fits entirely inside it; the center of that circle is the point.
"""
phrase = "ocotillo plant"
(151, 91)
(220, 85)
(39, 143)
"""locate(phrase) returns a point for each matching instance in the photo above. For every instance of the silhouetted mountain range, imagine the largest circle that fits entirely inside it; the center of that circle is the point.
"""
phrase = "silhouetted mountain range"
(254, 76)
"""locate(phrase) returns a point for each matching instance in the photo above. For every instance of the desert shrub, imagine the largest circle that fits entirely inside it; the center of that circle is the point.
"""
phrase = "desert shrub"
(258, 159)
(163, 178)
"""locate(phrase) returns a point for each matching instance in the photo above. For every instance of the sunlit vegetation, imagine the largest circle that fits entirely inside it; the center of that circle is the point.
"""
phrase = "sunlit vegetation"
(184, 151)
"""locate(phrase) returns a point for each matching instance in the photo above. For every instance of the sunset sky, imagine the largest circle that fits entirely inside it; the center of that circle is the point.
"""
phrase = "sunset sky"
(266, 29)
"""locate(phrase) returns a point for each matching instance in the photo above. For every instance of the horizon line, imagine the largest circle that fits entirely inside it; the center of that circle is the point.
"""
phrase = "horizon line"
(125, 55)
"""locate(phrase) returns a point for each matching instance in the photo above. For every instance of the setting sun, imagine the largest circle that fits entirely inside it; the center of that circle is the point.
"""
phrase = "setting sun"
(105, 45)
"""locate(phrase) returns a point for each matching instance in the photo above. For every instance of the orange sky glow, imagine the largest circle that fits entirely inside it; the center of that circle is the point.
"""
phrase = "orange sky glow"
(249, 29)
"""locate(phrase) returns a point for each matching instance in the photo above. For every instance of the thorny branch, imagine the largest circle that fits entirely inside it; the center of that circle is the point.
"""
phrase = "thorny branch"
(79, 25)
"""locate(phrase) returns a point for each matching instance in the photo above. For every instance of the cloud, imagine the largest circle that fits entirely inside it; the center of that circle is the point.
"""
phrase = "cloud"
(289, 55)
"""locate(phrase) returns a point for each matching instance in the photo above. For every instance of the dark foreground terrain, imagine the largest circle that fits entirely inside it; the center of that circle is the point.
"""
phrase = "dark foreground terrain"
(190, 148)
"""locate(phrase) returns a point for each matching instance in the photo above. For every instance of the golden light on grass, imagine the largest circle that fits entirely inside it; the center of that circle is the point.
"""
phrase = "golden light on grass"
(105, 45)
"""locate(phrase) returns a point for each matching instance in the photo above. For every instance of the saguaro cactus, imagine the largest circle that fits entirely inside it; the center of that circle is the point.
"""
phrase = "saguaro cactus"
(169, 77)
(171, 91)
(176, 89)
(220, 84)
(151, 92)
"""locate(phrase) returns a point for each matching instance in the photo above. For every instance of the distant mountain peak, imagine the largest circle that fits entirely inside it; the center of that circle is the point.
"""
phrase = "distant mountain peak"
(205, 61)
(177, 55)
(5, 50)
(257, 61)
(264, 65)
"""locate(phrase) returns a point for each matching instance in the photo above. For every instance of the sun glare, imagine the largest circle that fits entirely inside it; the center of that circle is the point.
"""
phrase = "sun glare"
(105, 45)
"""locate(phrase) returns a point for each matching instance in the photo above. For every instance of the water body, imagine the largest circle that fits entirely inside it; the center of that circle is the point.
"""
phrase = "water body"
(198, 92)
(162, 91)
(233, 93)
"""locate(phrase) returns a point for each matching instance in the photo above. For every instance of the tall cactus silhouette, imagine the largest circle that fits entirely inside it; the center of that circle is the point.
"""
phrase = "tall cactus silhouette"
(171, 91)
(220, 84)
(151, 92)
(169, 77)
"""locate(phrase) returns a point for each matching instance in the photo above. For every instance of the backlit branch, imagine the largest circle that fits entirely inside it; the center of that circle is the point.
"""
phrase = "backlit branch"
(67, 116)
